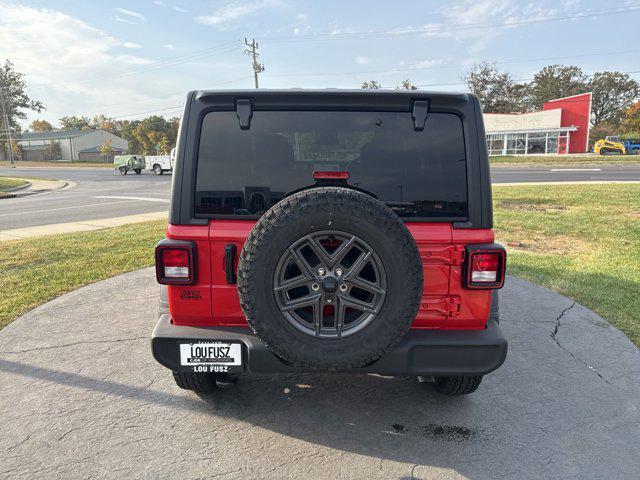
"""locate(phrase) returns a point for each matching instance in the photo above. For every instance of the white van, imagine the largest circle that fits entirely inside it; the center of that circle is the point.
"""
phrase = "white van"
(159, 163)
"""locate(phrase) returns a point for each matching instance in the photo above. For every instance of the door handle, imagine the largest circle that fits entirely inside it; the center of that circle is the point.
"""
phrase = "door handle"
(229, 260)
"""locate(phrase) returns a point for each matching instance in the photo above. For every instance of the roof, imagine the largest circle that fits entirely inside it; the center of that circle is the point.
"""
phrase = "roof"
(97, 149)
(55, 135)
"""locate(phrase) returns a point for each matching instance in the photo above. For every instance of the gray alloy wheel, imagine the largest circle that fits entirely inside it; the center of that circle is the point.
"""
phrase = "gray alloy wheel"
(330, 284)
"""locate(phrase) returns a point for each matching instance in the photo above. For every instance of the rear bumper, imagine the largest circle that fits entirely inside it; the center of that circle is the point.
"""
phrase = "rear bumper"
(420, 352)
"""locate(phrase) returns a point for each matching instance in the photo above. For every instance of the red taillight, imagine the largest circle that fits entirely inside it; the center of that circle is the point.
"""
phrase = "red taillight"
(331, 175)
(175, 262)
(485, 268)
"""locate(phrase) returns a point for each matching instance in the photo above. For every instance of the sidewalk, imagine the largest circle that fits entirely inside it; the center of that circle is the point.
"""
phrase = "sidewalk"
(82, 226)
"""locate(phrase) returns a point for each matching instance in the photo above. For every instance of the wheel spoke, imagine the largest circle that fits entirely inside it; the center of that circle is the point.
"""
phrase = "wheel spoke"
(317, 315)
(320, 251)
(357, 266)
(365, 285)
(342, 250)
(289, 284)
(358, 304)
(339, 316)
(305, 301)
(303, 265)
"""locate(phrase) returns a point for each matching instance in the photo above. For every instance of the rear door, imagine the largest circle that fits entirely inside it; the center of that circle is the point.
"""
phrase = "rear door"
(420, 174)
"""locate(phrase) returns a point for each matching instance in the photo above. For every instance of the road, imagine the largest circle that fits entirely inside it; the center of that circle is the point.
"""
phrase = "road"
(102, 193)
(99, 193)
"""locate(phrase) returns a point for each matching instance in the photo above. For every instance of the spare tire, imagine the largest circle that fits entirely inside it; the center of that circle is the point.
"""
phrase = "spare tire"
(330, 278)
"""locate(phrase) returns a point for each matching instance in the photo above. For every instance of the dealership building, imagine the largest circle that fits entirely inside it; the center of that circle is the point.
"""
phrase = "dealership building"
(561, 127)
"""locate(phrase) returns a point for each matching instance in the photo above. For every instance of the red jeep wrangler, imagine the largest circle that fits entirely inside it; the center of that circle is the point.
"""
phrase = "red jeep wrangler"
(345, 231)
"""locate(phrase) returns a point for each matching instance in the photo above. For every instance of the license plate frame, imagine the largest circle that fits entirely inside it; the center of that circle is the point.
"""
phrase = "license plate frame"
(211, 356)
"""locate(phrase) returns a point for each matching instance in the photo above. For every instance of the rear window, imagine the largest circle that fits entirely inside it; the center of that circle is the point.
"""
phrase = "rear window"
(419, 174)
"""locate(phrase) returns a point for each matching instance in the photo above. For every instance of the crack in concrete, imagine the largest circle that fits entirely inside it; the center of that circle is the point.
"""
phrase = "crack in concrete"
(51, 347)
(554, 333)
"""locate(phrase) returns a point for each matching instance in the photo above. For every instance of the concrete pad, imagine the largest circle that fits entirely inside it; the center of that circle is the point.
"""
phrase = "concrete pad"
(84, 226)
(82, 397)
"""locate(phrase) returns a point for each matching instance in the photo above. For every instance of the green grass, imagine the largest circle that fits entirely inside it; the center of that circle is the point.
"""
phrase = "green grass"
(7, 183)
(563, 159)
(580, 240)
(37, 270)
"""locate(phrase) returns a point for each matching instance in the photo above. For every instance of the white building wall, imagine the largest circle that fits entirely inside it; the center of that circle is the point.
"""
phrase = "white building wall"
(507, 122)
(95, 139)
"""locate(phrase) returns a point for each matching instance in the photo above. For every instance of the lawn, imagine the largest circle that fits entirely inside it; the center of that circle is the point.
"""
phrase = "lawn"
(580, 240)
(37, 270)
(563, 159)
(7, 183)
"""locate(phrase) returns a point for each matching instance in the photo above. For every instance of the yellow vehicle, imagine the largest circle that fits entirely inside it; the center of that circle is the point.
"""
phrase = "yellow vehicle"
(611, 145)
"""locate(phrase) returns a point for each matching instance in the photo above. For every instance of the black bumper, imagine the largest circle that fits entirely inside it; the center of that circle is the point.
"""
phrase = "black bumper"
(421, 352)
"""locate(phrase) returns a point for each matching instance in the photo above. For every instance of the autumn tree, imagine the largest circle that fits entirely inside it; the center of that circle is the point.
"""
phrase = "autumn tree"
(15, 102)
(612, 93)
(498, 91)
(631, 120)
(52, 151)
(556, 81)
(40, 126)
(106, 149)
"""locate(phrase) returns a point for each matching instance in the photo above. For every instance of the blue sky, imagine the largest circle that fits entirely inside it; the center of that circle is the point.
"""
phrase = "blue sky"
(128, 58)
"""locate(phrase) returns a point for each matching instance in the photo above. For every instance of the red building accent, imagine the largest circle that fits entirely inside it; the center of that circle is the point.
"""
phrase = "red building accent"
(576, 112)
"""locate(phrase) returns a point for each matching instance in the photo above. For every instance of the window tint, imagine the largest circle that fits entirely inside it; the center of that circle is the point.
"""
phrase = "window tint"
(416, 173)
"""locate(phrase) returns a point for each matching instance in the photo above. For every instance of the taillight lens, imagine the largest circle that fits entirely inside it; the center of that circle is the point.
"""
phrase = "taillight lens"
(175, 262)
(485, 268)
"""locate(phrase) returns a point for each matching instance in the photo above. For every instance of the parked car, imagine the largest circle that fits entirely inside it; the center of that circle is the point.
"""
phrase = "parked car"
(330, 231)
(124, 163)
(159, 164)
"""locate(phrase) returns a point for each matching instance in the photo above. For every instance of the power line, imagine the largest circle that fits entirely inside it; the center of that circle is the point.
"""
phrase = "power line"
(437, 29)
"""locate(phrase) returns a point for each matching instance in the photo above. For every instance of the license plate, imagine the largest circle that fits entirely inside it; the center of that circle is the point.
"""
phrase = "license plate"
(211, 356)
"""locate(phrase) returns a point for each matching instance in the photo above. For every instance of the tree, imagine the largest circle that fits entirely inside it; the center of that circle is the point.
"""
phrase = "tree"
(612, 92)
(52, 151)
(15, 102)
(631, 120)
(498, 91)
(74, 123)
(40, 126)
(106, 149)
(371, 85)
(556, 81)
(406, 85)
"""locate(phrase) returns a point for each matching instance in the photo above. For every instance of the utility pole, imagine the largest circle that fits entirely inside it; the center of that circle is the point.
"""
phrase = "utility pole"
(7, 127)
(252, 51)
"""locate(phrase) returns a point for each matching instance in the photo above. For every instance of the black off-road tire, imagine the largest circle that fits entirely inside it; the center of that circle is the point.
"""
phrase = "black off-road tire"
(137, 170)
(454, 386)
(198, 382)
(337, 209)
(123, 170)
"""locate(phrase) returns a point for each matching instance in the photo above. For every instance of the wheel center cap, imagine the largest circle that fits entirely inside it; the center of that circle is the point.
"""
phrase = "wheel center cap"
(329, 284)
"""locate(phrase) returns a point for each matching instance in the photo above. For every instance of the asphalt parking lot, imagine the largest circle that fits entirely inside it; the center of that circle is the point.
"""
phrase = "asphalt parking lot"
(82, 397)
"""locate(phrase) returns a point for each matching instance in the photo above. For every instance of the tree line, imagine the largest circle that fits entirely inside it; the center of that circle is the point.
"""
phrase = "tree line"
(615, 105)
(153, 135)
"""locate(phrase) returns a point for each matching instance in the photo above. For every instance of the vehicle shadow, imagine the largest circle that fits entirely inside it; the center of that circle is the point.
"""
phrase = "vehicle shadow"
(391, 418)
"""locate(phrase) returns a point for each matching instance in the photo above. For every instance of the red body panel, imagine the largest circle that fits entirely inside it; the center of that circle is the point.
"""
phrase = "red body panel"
(445, 303)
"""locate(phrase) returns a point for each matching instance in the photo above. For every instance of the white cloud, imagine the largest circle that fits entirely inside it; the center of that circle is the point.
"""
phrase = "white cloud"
(361, 60)
(234, 11)
(170, 46)
(131, 45)
(296, 31)
(426, 63)
(302, 17)
(180, 9)
(133, 60)
(128, 16)
(84, 76)
(158, 2)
